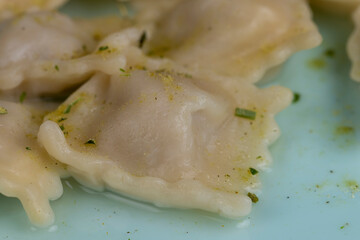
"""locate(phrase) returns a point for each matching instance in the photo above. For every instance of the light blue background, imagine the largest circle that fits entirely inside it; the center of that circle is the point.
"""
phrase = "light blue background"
(293, 204)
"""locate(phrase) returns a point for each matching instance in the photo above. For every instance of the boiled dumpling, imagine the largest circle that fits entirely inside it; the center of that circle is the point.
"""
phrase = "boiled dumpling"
(10, 8)
(336, 6)
(234, 38)
(31, 59)
(167, 138)
(31, 46)
(27, 172)
(353, 47)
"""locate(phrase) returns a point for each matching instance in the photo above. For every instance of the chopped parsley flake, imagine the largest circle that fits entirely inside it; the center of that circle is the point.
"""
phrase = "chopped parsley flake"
(90, 141)
(22, 97)
(253, 171)
(253, 197)
(343, 226)
(62, 127)
(28, 148)
(68, 108)
(62, 119)
(57, 68)
(124, 74)
(3, 111)
(244, 113)
(296, 97)
(103, 48)
(142, 39)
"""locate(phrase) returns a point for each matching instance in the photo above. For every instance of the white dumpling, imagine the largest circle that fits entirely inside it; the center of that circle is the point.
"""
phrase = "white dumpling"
(234, 38)
(353, 47)
(27, 172)
(166, 138)
(336, 6)
(32, 44)
(10, 8)
(31, 59)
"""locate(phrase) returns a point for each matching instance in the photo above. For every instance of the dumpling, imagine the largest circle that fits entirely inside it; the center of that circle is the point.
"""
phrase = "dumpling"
(167, 138)
(336, 6)
(27, 172)
(353, 47)
(31, 59)
(31, 46)
(255, 35)
(10, 8)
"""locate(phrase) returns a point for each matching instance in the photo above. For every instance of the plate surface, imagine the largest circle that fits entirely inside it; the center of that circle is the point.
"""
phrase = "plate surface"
(311, 192)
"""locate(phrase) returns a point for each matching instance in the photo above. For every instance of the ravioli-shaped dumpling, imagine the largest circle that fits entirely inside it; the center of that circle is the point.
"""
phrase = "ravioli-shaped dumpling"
(336, 6)
(27, 172)
(10, 8)
(353, 47)
(31, 59)
(32, 44)
(167, 138)
(234, 38)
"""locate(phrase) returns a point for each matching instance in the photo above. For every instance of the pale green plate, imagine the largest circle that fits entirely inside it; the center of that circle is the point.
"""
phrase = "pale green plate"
(311, 193)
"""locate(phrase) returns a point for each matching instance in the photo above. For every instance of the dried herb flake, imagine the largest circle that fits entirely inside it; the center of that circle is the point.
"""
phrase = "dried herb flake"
(245, 113)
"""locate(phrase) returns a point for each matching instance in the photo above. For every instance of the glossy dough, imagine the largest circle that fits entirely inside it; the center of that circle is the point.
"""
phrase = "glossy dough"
(255, 35)
(26, 170)
(30, 51)
(30, 58)
(166, 138)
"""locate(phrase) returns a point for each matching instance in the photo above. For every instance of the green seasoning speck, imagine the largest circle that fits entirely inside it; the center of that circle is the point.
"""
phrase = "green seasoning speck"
(62, 119)
(296, 97)
(62, 127)
(124, 74)
(253, 171)
(90, 141)
(244, 113)
(68, 108)
(28, 148)
(329, 53)
(57, 68)
(103, 48)
(22, 97)
(253, 197)
(343, 226)
(3, 111)
(142, 39)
